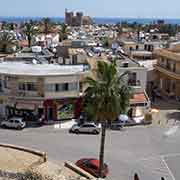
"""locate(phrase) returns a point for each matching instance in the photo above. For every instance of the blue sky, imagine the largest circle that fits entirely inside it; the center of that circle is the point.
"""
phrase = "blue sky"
(95, 8)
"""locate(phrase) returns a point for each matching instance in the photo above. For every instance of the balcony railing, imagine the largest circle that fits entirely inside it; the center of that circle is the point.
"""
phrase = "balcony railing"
(29, 94)
(168, 72)
(168, 68)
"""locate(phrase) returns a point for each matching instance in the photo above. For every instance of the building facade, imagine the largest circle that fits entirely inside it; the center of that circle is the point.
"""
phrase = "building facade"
(36, 90)
(168, 72)
(73, 20)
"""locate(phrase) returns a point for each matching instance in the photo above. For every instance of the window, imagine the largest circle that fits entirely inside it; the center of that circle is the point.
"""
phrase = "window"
(27, 86)
(168, 65)
(91, 166)
(74, 59)
(31, 87)
(50, 87)
(132, 79)
(125, 64)
(73, 86)
(88, 125)
(22, 86)
(6, 79)
(66, 86)
(1, 88)
(61, 87)
(174, 67)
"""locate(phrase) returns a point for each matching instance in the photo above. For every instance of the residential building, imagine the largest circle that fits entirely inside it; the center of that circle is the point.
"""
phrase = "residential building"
(168, 71)
(35, 90)
(137, 73)
(71, 56)
(136, 77)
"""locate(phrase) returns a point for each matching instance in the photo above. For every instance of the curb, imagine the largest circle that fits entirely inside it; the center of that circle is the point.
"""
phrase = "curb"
(43, 155)
(78, 170)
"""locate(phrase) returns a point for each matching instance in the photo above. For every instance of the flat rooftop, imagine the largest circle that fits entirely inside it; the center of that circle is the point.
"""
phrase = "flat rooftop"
(24, 69)
(141, 53)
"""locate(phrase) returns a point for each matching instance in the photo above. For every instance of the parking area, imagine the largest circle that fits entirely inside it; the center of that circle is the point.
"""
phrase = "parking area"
(145, 150)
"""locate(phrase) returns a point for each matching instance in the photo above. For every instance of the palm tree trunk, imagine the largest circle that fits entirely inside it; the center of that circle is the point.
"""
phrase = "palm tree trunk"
(4, 49)
(29, 41)
(101, 154)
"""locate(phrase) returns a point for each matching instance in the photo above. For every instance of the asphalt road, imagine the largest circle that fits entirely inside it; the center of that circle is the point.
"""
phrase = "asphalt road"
(144, 150)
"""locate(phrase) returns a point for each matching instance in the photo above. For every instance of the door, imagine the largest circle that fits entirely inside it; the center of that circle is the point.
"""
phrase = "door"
(50, 113)
(10, 123)
(40, 112)
(84, 128)
(16, 124)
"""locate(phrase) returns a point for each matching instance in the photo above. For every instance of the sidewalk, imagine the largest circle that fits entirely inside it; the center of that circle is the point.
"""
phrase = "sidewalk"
(169, 112)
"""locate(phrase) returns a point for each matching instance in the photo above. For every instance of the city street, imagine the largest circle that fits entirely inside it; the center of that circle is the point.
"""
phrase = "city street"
(145, 150)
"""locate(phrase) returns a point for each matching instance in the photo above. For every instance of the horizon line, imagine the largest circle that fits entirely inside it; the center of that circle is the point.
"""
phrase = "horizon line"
(108, 17)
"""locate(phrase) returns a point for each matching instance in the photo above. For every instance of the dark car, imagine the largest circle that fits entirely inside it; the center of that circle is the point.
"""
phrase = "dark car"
(118, 125)
(92, 166)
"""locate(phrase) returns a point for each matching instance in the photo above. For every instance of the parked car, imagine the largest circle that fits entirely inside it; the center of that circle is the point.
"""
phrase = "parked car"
(85, 128)
(138, 115)
(92, 166)
(117, 125)
(15, 122)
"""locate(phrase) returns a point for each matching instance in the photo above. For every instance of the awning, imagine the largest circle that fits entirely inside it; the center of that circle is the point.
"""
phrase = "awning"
(138, 98)
(25, 106)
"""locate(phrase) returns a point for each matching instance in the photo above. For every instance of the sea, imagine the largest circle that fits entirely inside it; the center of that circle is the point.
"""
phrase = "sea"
(97, 20)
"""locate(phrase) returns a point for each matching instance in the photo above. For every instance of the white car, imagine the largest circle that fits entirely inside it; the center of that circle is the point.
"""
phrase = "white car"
(85, 128)
(15, 122)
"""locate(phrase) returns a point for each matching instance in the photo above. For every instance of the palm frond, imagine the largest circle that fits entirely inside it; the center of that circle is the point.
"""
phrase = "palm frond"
(107, 96)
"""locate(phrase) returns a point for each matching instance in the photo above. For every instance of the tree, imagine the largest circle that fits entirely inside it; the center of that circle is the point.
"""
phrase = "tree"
(7, 41)
(63, 32)
(48, 25)
(105, 98)
(30, 30)
(105, 42)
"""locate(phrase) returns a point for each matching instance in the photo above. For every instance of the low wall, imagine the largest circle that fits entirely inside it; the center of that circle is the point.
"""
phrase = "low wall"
(42, 155)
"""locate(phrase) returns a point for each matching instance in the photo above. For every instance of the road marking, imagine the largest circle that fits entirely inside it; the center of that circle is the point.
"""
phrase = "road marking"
(162, 156)
(170, 172)
(170, 155)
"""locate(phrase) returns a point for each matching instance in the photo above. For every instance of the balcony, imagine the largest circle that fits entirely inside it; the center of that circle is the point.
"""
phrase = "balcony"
(63, 94)
(29, 94)
(163, 69)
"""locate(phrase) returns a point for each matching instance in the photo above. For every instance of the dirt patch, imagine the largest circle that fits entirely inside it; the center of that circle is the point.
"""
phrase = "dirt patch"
(16, 161)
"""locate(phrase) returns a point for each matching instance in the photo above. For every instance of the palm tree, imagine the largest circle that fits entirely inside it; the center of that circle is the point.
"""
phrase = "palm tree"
(105, 98)
(30, 30)
(63, 32)
(47, 25)
(7, 41)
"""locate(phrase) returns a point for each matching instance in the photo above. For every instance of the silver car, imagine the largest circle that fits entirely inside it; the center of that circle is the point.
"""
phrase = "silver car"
(85, 128)
(15, 122)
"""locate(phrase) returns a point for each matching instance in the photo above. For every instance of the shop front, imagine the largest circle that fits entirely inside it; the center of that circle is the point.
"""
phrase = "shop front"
(59, 109)
(29, 110)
